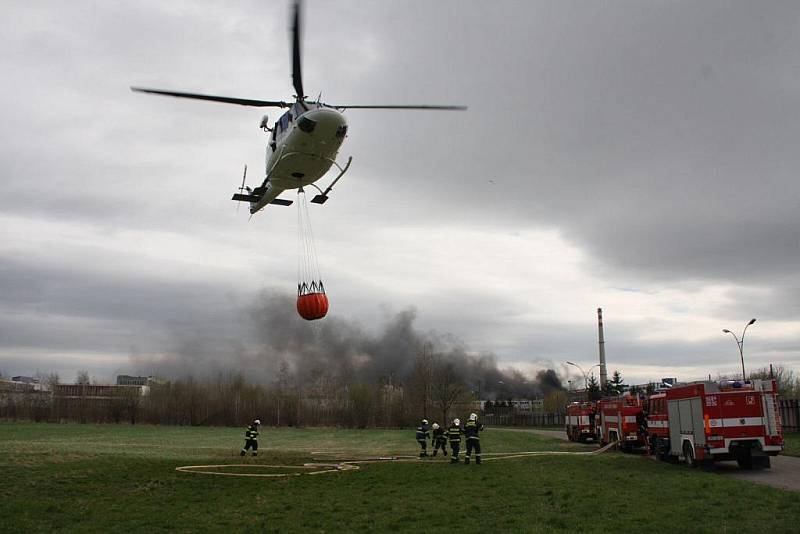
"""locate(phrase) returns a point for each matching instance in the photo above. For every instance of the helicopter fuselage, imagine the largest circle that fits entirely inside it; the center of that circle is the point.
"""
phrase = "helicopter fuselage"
(303, 145)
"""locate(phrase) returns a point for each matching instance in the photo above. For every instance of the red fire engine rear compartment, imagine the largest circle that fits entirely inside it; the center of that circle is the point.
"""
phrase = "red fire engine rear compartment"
(622, 420)
(706, 421)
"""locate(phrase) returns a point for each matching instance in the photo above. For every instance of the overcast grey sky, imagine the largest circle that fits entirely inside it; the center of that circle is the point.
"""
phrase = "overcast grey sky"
(639, 156)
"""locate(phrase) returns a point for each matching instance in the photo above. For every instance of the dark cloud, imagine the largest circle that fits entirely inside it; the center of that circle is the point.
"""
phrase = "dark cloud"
(658, 139)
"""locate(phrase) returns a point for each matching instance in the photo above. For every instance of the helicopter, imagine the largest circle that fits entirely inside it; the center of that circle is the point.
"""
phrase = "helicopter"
(303, 142)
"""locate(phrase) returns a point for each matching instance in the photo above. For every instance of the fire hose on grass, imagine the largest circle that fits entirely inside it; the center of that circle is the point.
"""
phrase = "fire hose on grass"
(339, 464)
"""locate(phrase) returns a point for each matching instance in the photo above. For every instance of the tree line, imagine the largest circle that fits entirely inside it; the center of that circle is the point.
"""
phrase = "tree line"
(434, 389)
(788, 383)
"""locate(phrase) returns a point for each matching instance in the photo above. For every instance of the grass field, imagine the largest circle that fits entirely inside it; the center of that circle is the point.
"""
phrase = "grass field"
(791, 441)
(92, 478)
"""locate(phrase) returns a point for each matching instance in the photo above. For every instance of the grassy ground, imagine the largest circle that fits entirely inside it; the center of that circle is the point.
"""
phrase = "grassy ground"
(118, 478)
(791, 441)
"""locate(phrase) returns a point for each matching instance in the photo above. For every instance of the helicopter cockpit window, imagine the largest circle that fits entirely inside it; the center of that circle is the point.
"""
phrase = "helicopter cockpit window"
(284, 122)
(341, 131)
(306, 124)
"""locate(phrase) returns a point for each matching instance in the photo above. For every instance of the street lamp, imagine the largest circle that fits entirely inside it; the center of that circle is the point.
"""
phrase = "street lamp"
(740, 343)
(585, 376)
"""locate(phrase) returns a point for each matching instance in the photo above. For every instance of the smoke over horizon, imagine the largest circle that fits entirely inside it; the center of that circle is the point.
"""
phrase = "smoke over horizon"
(274, 343)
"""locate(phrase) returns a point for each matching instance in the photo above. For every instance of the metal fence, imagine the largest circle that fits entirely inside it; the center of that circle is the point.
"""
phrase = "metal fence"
(790, 414)
(525, 419)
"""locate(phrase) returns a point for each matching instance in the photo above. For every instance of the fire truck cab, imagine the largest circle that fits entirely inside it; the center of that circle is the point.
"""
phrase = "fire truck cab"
(707, 421)
(580, 421)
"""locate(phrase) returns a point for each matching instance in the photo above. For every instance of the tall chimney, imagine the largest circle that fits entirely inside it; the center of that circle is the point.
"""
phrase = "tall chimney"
(602, 343)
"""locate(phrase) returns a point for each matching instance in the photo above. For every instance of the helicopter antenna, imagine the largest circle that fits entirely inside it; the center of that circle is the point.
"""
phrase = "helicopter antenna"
(242, 188)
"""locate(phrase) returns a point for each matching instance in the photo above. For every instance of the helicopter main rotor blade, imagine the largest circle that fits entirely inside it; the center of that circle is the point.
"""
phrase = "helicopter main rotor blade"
(212, 98)
(422, 106)
(297, 75)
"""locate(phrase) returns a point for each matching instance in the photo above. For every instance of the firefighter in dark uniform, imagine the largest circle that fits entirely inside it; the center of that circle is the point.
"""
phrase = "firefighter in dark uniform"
(471, 429)
(454, 437)
(251, 438)
(439, 439)
(422, 438)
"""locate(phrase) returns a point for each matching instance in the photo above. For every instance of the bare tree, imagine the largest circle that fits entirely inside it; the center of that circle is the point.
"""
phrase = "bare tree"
(362, 403)
(421, 380)
(447, 386)
(82, 377)
(132, 398)
(788, 383)
(555, 401)
(287, 398)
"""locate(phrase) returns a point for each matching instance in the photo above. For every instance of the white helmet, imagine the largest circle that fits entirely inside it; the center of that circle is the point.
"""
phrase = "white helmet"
(473, 417)
(257, 422)
(457, 421)
(424, 421)
(435, 426)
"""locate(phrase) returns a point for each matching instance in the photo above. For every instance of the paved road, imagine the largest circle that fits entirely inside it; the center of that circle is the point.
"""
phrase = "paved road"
(785, 472)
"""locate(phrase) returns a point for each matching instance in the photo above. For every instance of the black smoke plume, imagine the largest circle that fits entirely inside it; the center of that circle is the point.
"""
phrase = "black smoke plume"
(273, 343)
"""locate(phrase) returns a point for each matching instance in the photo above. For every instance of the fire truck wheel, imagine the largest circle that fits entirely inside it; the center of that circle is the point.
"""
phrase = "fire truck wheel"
(688, 455)
(744, 459)
(662, 451)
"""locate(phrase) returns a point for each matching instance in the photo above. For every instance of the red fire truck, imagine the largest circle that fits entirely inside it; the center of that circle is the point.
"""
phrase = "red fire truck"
(580, 421)
(622, 419)
(706, 421)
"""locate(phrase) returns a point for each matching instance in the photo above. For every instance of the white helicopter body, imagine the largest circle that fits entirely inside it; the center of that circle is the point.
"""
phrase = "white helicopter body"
(303, 146)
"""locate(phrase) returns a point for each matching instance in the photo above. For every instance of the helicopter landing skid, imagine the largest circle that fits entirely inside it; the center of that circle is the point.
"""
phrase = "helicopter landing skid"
(323, 195)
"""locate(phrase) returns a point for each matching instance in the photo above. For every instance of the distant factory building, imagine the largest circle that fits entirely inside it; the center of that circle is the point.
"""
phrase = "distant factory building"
(127, 380)
(24, 383)
(24, 379)
(95, 402)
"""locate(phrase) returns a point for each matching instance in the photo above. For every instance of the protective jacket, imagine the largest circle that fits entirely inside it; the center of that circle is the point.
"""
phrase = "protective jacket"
(251, 433)
(422, 433)
(454, 433)
(471, 429)
(439, 435)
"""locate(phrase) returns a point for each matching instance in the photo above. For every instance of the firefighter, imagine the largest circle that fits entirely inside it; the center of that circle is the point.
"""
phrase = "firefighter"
(439, 440)
(422, 438)
(641, 422)
(454, 436)
(471, 429)
(251, 438)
